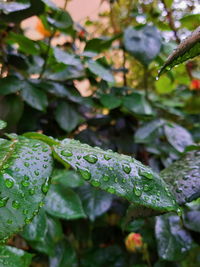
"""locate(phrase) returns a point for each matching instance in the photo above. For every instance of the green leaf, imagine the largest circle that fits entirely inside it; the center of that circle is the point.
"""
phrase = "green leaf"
(99, 44)
(34, 97)
(3, 124)
(95, 202)
(137, 104)
(46, 238)
(178, 136)
(7, 8)
(67, 117)
(65, 256)
(182, 177)
(145, 133)
(14, 257)
(25, 166)
(67, 178)
(188, 48)
(66, 58)
(191, 21)
(173, 242)
(100, 71)
(110, 101)
(61, 20)
(164, 85)
(25, 44)
(47, 139)
(63, 203)
(9, 85)
(144, 43)
(117, 174)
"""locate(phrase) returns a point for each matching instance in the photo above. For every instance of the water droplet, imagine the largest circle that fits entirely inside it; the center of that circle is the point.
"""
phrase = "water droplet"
(111, 190)
(116, 180)
(95, 183)
(106, 157)
(3, 201)
(126, 168)
(66, 153)
(179, 190)
(15, 204)
(179, 211)
(25, 183)
(36, 145)
(27, 220)
(45, 186)
(123, 180)
(157, 78)
(45, 149)
(137, 190)
(32, 191)
(145, 174)
(26, 164)
(45, 166)
(110, 168)
(146, 188)
(85, 173)
(91, 158)
(106, 178)
(26, 177)
(36, 173)
(9, 183)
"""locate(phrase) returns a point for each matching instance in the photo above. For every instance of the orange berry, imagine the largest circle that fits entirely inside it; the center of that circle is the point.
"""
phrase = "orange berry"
(195, 85)
(133, 242)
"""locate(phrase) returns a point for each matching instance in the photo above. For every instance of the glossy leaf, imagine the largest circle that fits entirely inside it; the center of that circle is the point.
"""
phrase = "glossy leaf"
(9, 85)
(66, 58)
(178, 136)
(110, 101)
(14, 257)
(144, 43)
(65, 256)
(117, 174)
(188, 48)
(182, 177)
(96, 68)
(172, 240)
(95, 202)
(63, 203)
(67, 117)
(13, 7)
(67, 178)
(34, 96)
(25, 166)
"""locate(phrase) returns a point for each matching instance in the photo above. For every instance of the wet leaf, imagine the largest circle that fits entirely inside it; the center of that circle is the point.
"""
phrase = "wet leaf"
(182, 177)
(117, 174)
(25, 166)
(188, 48)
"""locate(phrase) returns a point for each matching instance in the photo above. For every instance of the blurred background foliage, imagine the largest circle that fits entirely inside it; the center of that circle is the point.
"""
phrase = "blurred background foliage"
(97, 82)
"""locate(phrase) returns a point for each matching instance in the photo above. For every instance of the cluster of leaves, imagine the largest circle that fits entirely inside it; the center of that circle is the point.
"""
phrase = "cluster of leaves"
(73, 204)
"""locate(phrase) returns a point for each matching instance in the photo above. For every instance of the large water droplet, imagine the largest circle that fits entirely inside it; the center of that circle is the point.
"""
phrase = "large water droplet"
(137, 190)
(37, 173)
(9, 221)
(86, 174)
(15, 204)
(126, 168)
(66, 153)
(32, 192)
(9, 183)
(106, 178)
(106, 157)
(91, 158)
(45, 149)
(45, 186)
(25, 183)
(25, 211)
(145, 174)
(3, 201)
(95, 183)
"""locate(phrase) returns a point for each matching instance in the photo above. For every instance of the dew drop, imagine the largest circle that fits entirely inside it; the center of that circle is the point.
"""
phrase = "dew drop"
(145, 174)
(25, 211)
(91, 158)
(146, 188)
(123, 180)
(41, 204)
(45, 149)
(45, 186)
(9, 183)
(85, 173)
(45, 166)
(111, 190)
(95, 183)
(27, 220)
(179, 190)
(9, 221)
(32, 192)
(126, 168)
(25, 183)
(26, 164)
(116, 180)
(36, 173)
(3, 201)
(66, 153)
(106, 178)
(15, 204)
(137, 190)
(106, 157)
